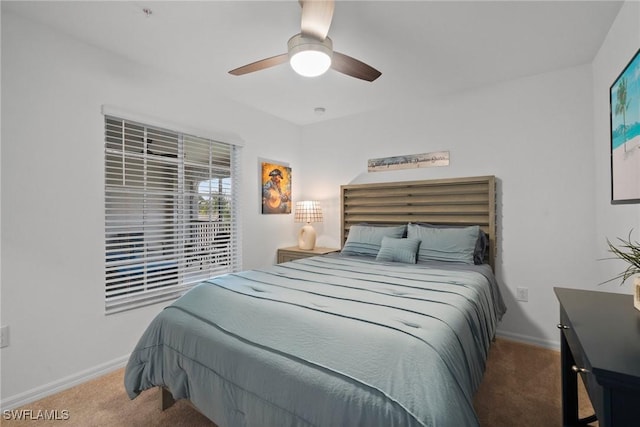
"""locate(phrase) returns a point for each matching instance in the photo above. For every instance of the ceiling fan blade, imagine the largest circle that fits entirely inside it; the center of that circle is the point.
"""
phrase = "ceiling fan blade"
(354, 68)
(260, 65)
(316, 18)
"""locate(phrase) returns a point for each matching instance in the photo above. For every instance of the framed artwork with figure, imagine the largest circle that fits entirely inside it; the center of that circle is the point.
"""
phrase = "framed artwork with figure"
(276, 189)
(624, 96)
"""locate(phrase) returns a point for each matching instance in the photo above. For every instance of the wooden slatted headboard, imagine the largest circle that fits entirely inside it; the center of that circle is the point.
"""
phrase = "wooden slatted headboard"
(455, 201)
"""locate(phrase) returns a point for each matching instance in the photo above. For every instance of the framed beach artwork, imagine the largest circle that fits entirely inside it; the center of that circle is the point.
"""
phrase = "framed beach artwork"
(276, 189)
(624, 96)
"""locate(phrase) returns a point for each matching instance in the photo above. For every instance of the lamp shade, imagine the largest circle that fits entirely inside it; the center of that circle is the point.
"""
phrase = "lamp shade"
(308, 211)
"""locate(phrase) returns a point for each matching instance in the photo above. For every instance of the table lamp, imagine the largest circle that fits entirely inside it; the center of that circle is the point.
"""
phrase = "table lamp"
(307, 211)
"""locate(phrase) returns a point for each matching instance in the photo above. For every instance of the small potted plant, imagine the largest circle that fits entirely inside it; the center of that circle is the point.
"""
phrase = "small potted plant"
(628, 251)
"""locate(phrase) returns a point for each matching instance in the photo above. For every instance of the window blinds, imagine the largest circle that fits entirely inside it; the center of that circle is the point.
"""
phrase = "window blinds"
(171, 216)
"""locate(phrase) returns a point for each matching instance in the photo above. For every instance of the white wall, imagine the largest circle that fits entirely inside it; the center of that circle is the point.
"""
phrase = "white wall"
(546, 139)
(53, 198)
(533, 134)
(612, 221)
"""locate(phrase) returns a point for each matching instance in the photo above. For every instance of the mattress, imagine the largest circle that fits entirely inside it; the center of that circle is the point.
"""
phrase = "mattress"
(326, 341)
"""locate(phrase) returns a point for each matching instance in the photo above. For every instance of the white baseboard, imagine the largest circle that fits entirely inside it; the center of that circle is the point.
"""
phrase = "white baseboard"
(526, 339)
(45, 390)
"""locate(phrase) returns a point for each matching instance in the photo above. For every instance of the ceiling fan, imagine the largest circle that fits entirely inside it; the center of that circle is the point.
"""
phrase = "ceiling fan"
(310, 52)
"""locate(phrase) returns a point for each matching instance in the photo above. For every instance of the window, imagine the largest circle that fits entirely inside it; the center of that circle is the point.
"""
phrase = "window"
(170, 212)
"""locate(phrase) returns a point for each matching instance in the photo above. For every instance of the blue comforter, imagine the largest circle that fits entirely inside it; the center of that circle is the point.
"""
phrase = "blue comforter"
(326, 341)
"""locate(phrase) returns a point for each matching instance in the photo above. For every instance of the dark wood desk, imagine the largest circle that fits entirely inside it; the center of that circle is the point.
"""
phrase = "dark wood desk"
(600, 340)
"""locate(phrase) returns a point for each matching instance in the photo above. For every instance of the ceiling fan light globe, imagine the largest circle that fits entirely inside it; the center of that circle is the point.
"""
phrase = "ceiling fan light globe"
(310, 57)
(310, 63)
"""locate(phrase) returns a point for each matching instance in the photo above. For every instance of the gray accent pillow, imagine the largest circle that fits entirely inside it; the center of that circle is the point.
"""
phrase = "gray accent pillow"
(398, 250)
(482, 244)
(367, 239)
(445, 244)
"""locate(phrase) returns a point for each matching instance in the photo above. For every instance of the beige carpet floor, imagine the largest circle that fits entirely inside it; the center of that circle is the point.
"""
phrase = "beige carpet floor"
(521, 388)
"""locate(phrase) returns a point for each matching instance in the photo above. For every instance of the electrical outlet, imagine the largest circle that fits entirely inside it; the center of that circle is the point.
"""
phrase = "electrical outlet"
(4, 336)
(522, 294)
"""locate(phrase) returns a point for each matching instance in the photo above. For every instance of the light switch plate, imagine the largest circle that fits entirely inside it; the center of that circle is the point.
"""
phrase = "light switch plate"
(522, 294)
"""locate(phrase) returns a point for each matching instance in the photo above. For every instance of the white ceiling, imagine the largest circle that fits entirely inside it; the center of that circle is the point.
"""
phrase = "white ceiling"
(422, 48)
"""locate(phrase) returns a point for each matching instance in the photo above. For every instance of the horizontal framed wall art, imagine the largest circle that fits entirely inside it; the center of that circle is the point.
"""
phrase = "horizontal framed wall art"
(624, 114)
(409, 161)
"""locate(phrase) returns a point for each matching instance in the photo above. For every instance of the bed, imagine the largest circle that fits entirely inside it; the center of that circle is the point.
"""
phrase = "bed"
(388, 332)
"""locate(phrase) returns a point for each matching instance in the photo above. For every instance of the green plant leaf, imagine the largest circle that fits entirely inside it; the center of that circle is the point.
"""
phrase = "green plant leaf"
(628, 251)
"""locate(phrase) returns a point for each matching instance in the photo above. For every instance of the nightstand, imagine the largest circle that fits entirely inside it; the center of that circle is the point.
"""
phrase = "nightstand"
(294, 252)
